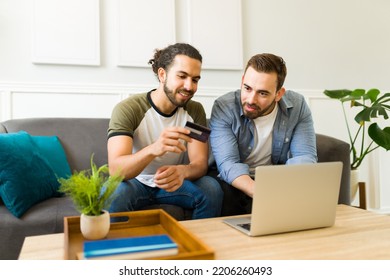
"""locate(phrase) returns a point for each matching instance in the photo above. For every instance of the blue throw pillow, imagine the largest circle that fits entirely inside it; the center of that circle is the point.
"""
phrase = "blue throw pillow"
(26, 178)
(51, 149)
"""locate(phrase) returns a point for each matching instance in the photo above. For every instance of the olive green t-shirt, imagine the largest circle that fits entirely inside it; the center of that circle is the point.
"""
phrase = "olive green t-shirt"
(139, 118)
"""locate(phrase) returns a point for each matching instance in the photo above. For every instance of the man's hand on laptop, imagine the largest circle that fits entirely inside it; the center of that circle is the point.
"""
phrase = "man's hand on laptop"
(246, 184)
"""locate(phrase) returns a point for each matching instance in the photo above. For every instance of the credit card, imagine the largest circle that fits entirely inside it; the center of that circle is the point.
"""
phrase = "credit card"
(198, 132)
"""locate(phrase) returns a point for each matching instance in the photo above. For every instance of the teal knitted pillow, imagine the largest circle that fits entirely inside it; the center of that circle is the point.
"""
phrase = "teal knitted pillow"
(52, 150)
(26, 178)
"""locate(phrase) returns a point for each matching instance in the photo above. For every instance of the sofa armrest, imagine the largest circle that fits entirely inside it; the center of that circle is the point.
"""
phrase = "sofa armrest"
(2, 129)
(333, 149)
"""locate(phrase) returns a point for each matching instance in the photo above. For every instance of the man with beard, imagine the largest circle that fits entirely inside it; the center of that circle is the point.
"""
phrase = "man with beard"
(260, 124)
(150, 146)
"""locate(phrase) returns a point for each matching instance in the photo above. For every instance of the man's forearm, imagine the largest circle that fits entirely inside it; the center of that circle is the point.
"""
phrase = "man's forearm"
(131, 165)
(194, 171)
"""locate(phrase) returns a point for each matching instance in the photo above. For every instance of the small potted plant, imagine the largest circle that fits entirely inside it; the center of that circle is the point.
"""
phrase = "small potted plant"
(372, 107)
(92, 192)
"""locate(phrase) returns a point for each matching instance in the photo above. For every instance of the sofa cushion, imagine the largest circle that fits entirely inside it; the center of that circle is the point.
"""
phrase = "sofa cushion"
(26, 177)
(46, 217)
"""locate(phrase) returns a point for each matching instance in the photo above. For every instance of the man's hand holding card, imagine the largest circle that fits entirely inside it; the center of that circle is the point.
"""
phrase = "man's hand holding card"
(198, 132)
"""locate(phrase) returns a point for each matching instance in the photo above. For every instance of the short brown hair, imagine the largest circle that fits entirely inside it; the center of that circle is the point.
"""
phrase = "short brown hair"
(269, 63)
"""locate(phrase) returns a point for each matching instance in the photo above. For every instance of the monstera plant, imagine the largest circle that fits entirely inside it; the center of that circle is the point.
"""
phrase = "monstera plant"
(373, 106)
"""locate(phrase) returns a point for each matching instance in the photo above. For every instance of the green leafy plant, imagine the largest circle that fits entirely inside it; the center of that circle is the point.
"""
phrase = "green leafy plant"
(373, 105)
(91, 190)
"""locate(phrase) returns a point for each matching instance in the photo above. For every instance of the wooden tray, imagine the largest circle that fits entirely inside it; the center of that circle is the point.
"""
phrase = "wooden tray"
(141, 223)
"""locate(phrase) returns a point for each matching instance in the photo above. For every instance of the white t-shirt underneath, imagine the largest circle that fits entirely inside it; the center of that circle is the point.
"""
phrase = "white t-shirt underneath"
(262, 148)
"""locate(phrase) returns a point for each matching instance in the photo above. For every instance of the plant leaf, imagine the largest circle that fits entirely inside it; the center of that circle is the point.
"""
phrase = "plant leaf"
(373, 105)
(363, 116)
(338, 93)
(91, 190)
(379, 136)
(372, 94)
(358, 93)
(384, 98)
(377, 108)
(382, 112)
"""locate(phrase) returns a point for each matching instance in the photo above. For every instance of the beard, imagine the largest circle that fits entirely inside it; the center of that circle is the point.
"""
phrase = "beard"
(258, 112)
(171, 96)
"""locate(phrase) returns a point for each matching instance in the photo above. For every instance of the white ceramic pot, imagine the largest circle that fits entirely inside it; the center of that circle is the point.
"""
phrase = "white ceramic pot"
(354, 183)
(95, 227)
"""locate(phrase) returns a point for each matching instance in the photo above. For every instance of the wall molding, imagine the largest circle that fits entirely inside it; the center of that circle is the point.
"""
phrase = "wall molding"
(60, 99)
(136, 42)
(97, 88)
(15, 96)
(5, 103)
(124, 89)
(204, 29)
(64, 35)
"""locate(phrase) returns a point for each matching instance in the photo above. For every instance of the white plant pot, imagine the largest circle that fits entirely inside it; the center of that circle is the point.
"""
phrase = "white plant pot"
(354, 183)
(95, 227)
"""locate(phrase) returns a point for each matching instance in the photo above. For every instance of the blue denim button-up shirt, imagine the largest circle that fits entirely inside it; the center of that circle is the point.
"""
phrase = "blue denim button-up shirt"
(232, 134)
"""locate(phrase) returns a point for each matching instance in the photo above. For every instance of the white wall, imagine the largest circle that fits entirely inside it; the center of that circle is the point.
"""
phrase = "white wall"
(326, 44)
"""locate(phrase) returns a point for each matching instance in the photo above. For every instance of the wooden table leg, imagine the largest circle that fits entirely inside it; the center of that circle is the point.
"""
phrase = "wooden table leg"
(362, 195)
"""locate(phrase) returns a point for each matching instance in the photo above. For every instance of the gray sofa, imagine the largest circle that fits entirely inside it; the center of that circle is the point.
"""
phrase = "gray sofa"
(81, 137)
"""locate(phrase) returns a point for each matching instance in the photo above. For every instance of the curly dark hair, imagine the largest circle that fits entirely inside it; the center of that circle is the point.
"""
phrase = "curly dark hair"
(164, 58)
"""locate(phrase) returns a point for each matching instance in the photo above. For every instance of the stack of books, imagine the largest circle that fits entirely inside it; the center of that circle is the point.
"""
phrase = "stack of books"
(140, 247)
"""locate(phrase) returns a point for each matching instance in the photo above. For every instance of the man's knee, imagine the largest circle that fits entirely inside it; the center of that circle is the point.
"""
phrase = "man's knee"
(210, 187)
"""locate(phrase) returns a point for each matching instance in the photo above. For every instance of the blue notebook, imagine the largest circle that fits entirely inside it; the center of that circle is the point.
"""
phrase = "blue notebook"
(130, 248)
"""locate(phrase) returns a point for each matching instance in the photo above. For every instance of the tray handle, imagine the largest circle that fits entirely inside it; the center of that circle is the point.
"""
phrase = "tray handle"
(137, 218)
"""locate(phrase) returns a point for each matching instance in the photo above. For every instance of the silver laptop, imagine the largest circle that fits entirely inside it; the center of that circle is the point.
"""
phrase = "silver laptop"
(292, 198)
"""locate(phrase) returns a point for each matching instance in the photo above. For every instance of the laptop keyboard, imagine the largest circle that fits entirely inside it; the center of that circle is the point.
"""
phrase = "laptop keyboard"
(246, 226)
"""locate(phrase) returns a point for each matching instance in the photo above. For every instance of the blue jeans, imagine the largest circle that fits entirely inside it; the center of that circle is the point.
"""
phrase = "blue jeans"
(204, 196)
